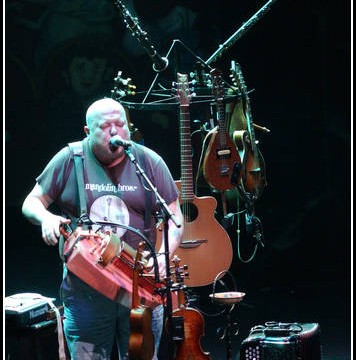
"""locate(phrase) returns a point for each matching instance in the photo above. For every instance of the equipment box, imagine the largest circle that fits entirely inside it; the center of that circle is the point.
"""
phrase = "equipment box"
(282, 341)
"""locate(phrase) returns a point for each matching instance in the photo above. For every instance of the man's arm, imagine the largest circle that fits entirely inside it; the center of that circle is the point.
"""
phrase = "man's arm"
(34, 208)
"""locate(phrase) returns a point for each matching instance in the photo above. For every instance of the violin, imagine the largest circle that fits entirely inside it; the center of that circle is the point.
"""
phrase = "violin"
(189, 348)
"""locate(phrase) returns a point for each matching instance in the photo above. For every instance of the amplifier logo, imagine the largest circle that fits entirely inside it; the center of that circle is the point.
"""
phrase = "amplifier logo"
(38, 312)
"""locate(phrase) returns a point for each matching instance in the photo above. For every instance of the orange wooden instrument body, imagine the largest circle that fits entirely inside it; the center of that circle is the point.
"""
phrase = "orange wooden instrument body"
(222, 162)
(189, 348)
(205, 245)
(106, 264)
(221, 172)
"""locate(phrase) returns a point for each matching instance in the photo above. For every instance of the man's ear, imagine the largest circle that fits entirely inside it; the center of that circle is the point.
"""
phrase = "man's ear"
(86, 130)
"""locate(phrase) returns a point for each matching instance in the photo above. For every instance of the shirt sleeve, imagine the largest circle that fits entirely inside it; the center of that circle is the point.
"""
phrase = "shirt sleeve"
(164, 181)
(53, 178)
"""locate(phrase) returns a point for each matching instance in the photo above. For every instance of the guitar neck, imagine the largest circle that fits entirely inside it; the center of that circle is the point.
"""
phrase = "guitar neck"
(135, 276)
(135, 297)
(237, 74)
(221, 122)
(219, 93)
(187, 190)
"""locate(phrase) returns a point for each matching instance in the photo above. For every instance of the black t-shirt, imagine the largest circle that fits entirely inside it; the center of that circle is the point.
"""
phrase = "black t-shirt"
(115, 195)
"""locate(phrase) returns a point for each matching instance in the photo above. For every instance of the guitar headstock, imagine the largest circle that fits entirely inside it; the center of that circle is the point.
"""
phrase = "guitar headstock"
(200, 77)
(237, 77)
(179, 271)
(183, 90)
(122, 87)
(139, 263)
(218, 86)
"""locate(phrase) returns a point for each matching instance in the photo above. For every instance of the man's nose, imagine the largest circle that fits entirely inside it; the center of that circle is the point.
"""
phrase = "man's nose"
(113, 130)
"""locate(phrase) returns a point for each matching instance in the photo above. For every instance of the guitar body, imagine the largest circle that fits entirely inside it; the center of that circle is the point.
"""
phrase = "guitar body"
(222, 165)
(141, 341)
(205, 245)
(222, 162)
(253, 179)
(190, 348)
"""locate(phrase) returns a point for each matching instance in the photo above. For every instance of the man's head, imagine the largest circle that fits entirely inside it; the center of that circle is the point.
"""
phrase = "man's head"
(86, 75)
(106, 118)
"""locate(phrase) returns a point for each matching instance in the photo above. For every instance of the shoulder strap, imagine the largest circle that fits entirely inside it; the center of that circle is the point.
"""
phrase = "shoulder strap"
(76, 149)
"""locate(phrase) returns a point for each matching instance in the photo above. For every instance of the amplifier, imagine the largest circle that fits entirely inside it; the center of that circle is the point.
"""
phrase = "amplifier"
(25, 309)
(282, 341)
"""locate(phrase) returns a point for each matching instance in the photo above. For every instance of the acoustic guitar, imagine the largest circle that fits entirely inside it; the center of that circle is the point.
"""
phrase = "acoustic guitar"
(253, 179)
(205, 246)
(222, 163)
(141, 340)
(189, 348)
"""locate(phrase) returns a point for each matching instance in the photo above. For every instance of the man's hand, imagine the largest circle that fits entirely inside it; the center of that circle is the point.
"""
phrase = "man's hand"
(50, 228)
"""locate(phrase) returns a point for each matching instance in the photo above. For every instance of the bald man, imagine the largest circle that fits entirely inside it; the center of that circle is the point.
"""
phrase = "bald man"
(114, 193)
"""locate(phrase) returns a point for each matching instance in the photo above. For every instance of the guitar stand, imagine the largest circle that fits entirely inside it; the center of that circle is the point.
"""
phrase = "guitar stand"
(228, 299)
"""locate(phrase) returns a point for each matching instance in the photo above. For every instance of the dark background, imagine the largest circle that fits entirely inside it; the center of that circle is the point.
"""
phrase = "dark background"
(296, 58)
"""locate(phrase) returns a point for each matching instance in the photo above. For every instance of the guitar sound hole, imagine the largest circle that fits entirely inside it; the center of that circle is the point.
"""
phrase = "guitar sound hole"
(190, 211)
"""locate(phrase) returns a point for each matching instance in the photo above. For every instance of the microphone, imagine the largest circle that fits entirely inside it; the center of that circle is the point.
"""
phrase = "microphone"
(117, 141)
(159, 63)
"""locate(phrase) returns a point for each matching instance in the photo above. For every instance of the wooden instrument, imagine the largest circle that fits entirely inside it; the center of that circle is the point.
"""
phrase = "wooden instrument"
(253, 179)
(222, 163)
(141, 340)
(205, 246)
(189, 348)
(106, 263)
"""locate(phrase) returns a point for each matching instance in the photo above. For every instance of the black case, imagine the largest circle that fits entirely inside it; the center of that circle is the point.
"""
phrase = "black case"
(282, 341)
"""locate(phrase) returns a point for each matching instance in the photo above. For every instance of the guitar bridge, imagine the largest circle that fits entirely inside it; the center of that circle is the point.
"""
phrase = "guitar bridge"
(178, 328)
(187, 244)
(223, 153)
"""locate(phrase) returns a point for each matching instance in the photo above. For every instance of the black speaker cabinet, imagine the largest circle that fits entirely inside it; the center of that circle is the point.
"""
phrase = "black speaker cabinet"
(282, 341)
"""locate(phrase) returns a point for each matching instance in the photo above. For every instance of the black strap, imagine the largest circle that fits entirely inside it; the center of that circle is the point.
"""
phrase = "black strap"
(78, 156)
(76, 149)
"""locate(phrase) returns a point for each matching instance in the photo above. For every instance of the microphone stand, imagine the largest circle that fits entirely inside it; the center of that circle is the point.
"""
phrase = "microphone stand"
(166, 214)
(231, 40)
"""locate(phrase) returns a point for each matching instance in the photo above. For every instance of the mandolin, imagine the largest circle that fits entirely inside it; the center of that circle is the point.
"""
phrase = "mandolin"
(205, 246)
(141, 340)
(222, 163)
(253, 179)
(188, 348)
